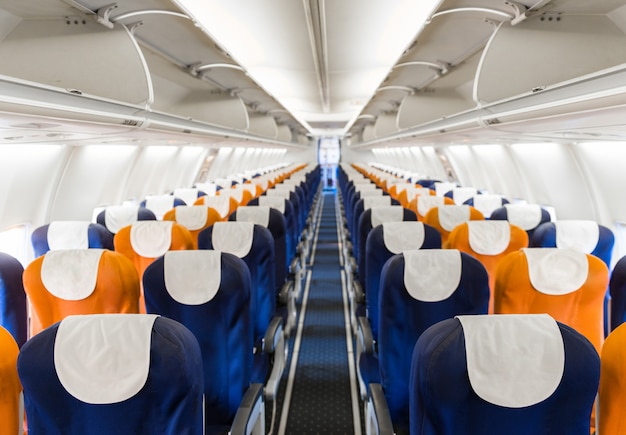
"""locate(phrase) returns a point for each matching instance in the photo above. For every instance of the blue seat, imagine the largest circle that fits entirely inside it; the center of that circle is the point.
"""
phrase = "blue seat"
(106, 374)
(70, 235)
(617, 290)
(526, 216)
(254, 244)
(418, 289)
(13, 309)
(161, 204)
(116, 217)
(209, 293)
(502, 374)
(486, 204)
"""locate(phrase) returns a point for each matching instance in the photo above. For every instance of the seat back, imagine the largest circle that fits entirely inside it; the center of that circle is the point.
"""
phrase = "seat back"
(116, 217)
(526, 216)
(254, 244)
(70, 235)
(209, 293)
(567, 284)
(461, 194)
(617, 289)
(79, 281)
(512, 374)
(10, 387)
(224, 205)
(422, 204)
(284, 206)
(489, 242)
(195, 218)
(447, 217)
(104, 374)
(13, 309)
(383, 242)
(486, 204)
(612, 391)
(419, 289)
(582, 235)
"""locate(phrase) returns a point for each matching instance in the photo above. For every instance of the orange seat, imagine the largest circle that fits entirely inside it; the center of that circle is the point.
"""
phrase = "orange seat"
(447, 217)
(489, 242)
(568, 285)
(421, 204)
(79, 281)
(144, 241)
(10, 386)
(612, 392)
(225, 205)
(194, 218)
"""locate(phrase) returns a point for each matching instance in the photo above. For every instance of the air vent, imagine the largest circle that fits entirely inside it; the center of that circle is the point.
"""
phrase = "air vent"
(35, 125)
(130, 122)
(492, 121)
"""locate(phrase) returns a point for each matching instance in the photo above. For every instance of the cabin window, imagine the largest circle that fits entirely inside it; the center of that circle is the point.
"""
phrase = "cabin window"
(15, 241)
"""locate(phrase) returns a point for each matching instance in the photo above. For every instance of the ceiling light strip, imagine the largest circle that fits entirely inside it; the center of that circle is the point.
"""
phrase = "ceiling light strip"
(316, 24)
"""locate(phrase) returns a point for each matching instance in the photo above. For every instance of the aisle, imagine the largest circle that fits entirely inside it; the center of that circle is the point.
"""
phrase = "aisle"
(321, 396)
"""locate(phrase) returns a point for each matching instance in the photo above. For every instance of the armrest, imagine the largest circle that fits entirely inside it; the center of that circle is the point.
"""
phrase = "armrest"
(359, 294)
(365, 335)
(294, 267)
(379, 411)
(274, 344)
(285, 293)
(250, 416)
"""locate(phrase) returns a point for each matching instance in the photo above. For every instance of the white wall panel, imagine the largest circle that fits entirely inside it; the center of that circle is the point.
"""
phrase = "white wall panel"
(152, 173)
(94, 176)
(499, 171)
(28, 177)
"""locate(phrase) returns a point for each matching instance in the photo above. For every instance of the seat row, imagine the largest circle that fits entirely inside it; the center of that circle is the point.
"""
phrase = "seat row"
(217, 305)
(415, 289)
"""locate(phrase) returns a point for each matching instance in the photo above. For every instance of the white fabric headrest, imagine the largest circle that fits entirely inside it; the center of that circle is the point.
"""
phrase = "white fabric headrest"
(412, 191)
(284, 187)
(209, 188)
(513, 360)
(376, 201)
(71, 274)
(189, 195)
(233, 237)
(259, 215)
(452, 215)
(102, 359)
(365, 186)
(273, 202)
(192, 217)
(278, 193)
(160, 204)
(236, 192)
(425, 203)
(151, 239)
(117, 217)
(555, 271)
(489, 237)
(371, 193)
(486, 204)
(442, 188)
(192, 277)
(403, 236)
(391, 213)
(525, 216)
(68, 235)
(220, 204)
(432, 275)
(577, 234)
(251, 188)
(462, 194)
(401, 186)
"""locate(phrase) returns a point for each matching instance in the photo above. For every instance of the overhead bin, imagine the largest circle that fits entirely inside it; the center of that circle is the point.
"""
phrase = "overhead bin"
(262, 125)
(385, 124)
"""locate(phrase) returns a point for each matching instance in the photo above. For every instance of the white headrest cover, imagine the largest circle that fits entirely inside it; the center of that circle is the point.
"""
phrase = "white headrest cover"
(277, 193)
(102, 359)
(390, 213)
(233, 237)
(514, 360)
(489, 237)
(151, 239)
(259, 215)
(249, 188)
(555, 271)
(365, 185)
(371, 193)
(452, 215)
(376, 201)
(68, 235)
(117, 217)
(578, 235)
(192, 277)
(432, 275)
(412, 191)
(462, 194)
(401, 186)
(189, 195)
(273, 202)
(208, 188)
(284, 187)
(235, 192)
(160, 204)
(403, 236)
(192, 217)
(71, 274)
(263, 182)
(442, 188)
(525, 216)
(425, 203)
(220, 204)
(486, 204)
